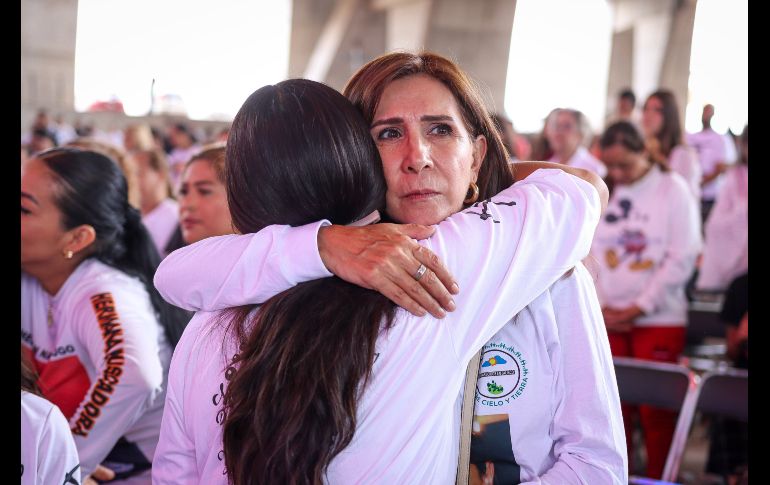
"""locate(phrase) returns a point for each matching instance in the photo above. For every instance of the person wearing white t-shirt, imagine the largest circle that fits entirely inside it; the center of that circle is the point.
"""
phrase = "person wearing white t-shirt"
(646, 245)
(713, 153)
(160, 213)
(48, 453)
(567, 131)
(233, 280)
(663, 132)
(97, 332)
(726, 249)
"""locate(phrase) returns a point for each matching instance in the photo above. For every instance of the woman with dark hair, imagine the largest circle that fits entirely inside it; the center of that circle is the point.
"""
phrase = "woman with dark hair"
(665, 141)
(314, 385)
(425, 118)
(95, 328)
(646, 245)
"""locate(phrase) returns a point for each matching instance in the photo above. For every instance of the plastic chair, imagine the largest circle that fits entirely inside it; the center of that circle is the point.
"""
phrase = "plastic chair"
(663, 385)
(723, 393)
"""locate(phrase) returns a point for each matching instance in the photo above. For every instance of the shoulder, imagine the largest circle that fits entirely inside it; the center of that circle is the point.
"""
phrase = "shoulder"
(35, 406)
(97, 278)
(684, 151)
(675, 184)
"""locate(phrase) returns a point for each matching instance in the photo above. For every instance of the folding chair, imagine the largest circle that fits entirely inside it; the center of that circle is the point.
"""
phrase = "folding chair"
(724, 393)
(659, 384)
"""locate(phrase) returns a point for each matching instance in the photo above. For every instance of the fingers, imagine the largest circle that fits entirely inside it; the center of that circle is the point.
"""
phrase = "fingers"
(416, 231)
(394, 293)
(102, 473)
(437, 267)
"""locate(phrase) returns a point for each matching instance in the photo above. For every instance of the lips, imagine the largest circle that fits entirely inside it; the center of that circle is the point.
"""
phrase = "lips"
(189, 222)
(422, 194)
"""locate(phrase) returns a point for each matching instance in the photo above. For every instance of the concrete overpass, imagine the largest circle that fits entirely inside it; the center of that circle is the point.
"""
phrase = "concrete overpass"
(330, 39)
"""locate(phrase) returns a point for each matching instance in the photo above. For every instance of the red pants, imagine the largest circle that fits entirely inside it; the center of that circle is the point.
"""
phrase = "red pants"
(662, 344)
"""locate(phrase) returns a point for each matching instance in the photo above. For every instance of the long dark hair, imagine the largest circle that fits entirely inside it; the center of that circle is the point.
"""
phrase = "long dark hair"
(366, 86)
(91, 189)
(298, 152)
(671, 133)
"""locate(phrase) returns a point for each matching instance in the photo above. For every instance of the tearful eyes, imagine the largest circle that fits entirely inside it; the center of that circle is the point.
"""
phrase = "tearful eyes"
(441, 129)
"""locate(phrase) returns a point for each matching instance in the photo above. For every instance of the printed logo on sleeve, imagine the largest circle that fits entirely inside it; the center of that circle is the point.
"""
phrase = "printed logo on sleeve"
(502, 375)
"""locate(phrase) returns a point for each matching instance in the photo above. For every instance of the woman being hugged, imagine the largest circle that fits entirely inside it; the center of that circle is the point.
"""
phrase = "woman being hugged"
(98, 333)
(405, 432)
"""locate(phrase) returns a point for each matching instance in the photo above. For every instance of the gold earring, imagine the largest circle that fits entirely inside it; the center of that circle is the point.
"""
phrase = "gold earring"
(68, 254)
(474, 189)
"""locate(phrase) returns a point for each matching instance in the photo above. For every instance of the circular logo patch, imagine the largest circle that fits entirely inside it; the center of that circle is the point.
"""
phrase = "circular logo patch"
(499, 374)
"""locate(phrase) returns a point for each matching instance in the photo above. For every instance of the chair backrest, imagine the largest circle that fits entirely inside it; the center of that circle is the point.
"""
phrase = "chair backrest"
(663, 385)
(725, 393)
(722, 392)
(659, 384)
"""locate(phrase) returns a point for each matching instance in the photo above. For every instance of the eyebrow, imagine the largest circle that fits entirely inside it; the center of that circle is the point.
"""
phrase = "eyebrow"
(25, 195)
(396, 121)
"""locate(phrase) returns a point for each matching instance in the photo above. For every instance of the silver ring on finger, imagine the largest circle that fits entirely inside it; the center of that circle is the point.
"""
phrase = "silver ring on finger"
(420, 272)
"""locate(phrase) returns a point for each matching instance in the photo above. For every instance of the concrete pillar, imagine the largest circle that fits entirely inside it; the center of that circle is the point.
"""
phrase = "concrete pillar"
(476, 34)
(48, 30)
(652, 40)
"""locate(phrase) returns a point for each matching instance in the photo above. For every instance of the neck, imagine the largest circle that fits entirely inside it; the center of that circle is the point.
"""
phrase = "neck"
(52, 277)
(565, 155)
(706, 126)
(152, 200)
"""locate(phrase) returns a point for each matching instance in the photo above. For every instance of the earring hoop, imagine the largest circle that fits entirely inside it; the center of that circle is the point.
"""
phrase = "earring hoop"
(474, 189)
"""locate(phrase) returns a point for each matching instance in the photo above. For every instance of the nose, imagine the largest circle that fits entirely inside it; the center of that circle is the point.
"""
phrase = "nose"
(417, 156)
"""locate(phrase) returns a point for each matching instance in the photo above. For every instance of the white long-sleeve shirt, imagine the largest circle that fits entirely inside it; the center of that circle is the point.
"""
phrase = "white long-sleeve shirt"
(726, 249)
(48, 453)
(547, 406)
(646, 245)
(100, 359)
(407, 433)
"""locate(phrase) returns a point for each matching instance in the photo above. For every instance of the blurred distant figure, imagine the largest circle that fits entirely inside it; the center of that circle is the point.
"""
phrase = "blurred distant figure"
(138, 137)
(625, 108)
(160, 212)
(567, 134)
(184, 146)
(541, 149)
(726, 252)
(505, 127)
(664, 138)
(713, 154)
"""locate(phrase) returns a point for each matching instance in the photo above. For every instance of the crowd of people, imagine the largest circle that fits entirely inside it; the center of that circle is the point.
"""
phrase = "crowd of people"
(299, 298)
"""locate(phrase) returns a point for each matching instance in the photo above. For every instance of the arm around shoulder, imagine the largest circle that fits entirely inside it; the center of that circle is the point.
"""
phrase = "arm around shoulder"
(522, 170)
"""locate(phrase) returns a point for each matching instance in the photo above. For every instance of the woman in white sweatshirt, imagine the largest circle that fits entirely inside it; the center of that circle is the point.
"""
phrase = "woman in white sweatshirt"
(646, 245)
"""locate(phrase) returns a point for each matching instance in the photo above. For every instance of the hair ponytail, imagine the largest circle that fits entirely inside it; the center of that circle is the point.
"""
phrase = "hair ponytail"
(141, 259)
(93, 191)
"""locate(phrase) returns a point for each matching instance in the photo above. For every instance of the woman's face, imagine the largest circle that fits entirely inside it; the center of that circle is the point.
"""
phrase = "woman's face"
(652, 116)
(624, 167)
(429, 158)
(563, 134)
(42, 236)
(203, 210)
